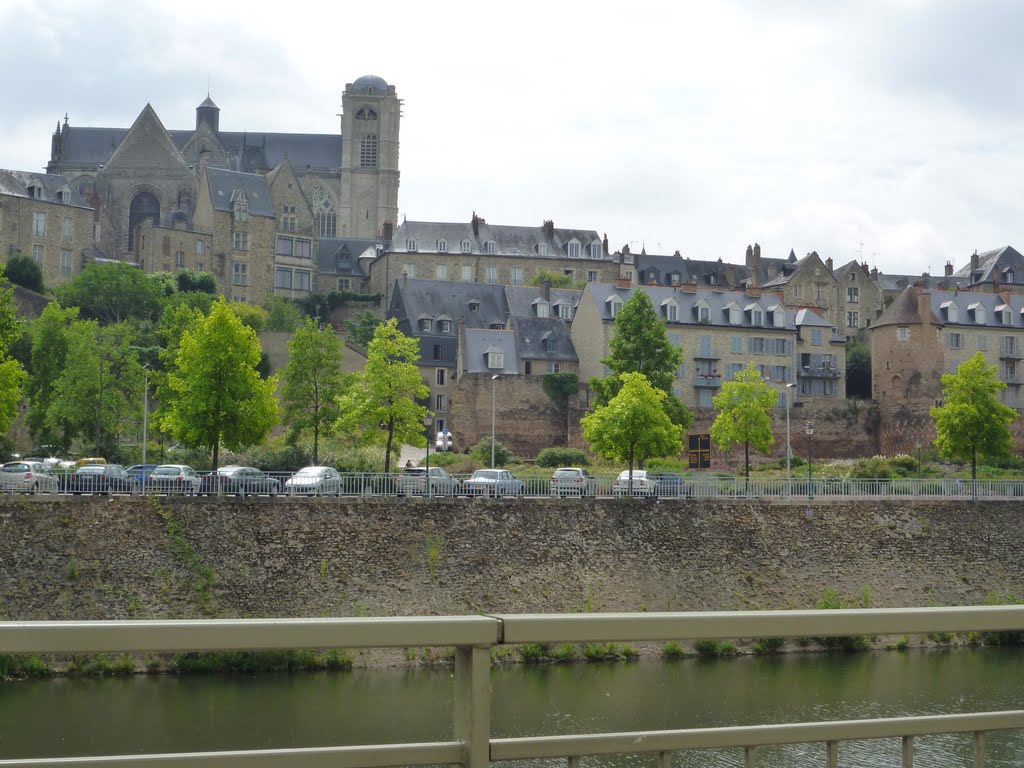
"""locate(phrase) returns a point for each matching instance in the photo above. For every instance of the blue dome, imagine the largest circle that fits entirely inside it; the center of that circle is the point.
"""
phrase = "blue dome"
(366, 83)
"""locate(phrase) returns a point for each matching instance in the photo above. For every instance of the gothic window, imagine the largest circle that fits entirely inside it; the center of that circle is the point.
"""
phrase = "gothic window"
(366, 114)
(143, 206)
(368, 151)
(324, 214)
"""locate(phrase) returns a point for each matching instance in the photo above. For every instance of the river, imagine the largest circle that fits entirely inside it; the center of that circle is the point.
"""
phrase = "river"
(67, 717)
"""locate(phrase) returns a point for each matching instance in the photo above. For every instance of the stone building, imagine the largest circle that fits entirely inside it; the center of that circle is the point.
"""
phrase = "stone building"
(859, 300)
(478, 252)
(44, 217)
(993, 271)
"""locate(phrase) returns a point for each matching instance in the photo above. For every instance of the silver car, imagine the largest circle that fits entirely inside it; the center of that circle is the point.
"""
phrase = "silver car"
(641, 484)
(573, 481)
(493, 482)
(27, 477)
(314, 481)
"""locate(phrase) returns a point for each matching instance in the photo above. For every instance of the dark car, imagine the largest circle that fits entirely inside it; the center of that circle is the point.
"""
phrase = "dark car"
(240, 481)
(142, 472)
(671, 485)
(102, 478)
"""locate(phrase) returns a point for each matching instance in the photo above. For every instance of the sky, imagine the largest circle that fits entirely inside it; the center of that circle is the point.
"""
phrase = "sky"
(890, 132)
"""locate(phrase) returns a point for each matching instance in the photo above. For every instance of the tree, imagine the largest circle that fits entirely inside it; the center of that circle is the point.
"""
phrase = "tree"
(633, 426)
(191, 281)
(217, 394)
(640, 344)
(49, 353)
(971, 422)
(25, 271)
(858, 369)
(113, 292)
(381, 407)
(745, 414)
(251, 315)
(361, 326)
(313, 382)
(282, 314)
(554, 279)
(12, 374)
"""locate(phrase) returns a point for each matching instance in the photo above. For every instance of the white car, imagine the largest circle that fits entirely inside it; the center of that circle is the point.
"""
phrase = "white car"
(443, 441)
(314, 481)
(27, 477)
(176, 479)
(642, 484)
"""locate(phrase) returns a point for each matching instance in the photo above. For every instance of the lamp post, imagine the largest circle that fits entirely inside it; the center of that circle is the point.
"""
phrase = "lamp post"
(494, 378)
(809, 429)
(917, 445)
(428, 420)
(789, 445)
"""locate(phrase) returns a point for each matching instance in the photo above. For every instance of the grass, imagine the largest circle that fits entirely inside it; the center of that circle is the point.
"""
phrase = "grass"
(256, 662)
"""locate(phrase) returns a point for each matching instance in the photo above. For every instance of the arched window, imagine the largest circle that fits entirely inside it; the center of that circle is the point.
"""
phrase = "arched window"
(143, 206)
(368, 151)
(324, 215)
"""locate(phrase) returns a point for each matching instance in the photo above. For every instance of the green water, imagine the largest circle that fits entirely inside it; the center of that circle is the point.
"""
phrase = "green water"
(58, 718)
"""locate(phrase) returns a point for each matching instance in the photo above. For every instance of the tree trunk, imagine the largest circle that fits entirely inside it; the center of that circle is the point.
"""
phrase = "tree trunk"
(746, 459)
(387, 450)
(316, 440)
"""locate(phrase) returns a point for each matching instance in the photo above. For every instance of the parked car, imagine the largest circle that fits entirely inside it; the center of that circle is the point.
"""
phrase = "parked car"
(641, 484)
(101, 478)
(413, 482)
(174, 479)
(671, 485)
(27, 477)
(241, 481)
(90, 460)
(493, 482)
(314, 481)
(142, 472)
(573, 481)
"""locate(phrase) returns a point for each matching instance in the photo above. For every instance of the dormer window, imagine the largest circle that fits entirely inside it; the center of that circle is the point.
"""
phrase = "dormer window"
(490, 247)
(442, 246)
(474, 306)
(977, 309)
(241, 208)
(35, 191)
(703, 311)
(952, 311)
(778, 316)
(542, 249)
(495, 359)
(547, 343)
(1008, 276)
(712, 279)
(410, 245)
(467, 246)
(673, 278)
(444, 326)
(426, 324)
(572, 249)
(628, 258)
(671, 309)
(614, 306)
(542, 308)
(755, 313)
(562, 310)
(734, 313)
(596, 250)
(1004, 314)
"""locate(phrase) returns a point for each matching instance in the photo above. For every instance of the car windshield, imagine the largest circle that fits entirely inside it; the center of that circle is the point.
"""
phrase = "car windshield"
(567, 473)
(486, 474)
(15, 467)
(92, 469)
(310, 472)
(166, 471)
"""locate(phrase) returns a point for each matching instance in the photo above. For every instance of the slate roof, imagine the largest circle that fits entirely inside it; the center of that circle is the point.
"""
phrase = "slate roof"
(224, 183)
(433, 298)
(532, 333)
(341, 256)
(521, 298)
(894, 284)
(478, 342)
(16, 183)
(790, 269)
(509, 240)
(992, 267)
(903, 310)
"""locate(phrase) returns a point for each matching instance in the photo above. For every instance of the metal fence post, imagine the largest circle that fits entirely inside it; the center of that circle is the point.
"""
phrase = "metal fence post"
(473, 704)
(908, 752)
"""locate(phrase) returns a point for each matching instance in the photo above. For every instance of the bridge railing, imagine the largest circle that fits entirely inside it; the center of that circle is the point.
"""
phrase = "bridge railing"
(474, 636)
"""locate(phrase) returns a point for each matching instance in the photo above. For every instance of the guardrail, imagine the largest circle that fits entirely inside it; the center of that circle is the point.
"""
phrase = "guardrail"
(535, 485)
(473, 637)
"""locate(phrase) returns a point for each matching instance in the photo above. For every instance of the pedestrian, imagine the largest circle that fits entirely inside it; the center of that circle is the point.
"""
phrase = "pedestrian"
(408, 464)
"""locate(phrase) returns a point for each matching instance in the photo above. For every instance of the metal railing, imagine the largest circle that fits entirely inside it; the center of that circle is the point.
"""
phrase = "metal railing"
(474, 636)
(402, 484)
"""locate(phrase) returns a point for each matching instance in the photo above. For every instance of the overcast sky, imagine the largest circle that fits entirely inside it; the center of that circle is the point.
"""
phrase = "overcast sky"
(888, 131)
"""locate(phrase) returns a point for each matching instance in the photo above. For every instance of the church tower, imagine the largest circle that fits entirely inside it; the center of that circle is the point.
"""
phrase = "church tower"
(369, 158)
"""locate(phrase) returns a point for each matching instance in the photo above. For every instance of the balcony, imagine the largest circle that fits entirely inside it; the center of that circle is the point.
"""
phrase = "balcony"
(819, 372)
(1010, 352)
(707, 380)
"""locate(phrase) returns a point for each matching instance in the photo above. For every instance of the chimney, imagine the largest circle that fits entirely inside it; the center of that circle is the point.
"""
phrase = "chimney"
(828, 264)
(757, 253)
(949, 269)
(545, 290)
(475, 221)
(549, 228)
(387, 233)
(677, 254)
(690, 286)
(975, 261)
(924, 307)
(874, 273)
(604, 242)
(625, 248)
(622, 283)
(754, 292)
(748, 258)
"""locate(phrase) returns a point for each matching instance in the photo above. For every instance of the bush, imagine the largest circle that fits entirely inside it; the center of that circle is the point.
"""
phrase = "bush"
(562, 457)
(767, 645)
(25, 271)
(482, 452)
(904, 466)
(532, 653)
(673, 650)
(830, 600)
(875, 467)
(714, 648)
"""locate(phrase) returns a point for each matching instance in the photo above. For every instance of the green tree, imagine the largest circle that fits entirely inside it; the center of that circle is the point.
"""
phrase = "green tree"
(380, 407)
(633, 426)
(971, 422)
(858, 369)
(744, 414)
(25, 271)
(361, 326)
(554, 279)
(282, 314)
(12, 374)
(251, 315)
(50, 340)
(313, 382)
(217, 394)
(113, 292)
(640, 344)
(190, 281)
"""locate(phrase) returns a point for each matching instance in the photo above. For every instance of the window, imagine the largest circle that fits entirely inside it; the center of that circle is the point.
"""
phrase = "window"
(441, 376)
(241, 209)
(797, 290)
(573, 249)
(39, 224)
(952, 311)
(853, 294)
(548, 344)
(706, 346)
(368, 151)
(492, 275)
(240, 241)
(467, 274)
(592, 276)
(731, 369)
(542, 249)
(703, 312)
(673, 279)
(517, 275)
(735, 316)
(736, 345)
(596, 251)
(554, 367)
(672, 313)
(239, 273)
(543, 309)
(495, 359)
(409, 269)
(819, 292)
(410, 245)
(956, 341)
(426, 324)
(474, 306)
(37, 254)
(757, 317)
(979, 314)
(704, 396)
(324, 216)
(903, 333)
(283, 278)
(65, 262)
(983, 343)
(344, 284)
(437, 352)
(439, 402)
(200, 266)
(441, 272)
(284, 246)
(816, 337)
(490, 247)
(629, 275)
(200, 247)
(755, 345)
(179, 259)
(68, 229)
(303, 280)
(778, 317)
(289, 223)
(467, 246)
(853, 319)
(442, 246)
(565, 311)
(616, 305)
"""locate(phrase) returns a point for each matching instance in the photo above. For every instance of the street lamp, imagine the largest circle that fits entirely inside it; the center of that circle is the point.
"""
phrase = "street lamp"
(494, 378)
(809, 429)
(789, 445)
(428, 420)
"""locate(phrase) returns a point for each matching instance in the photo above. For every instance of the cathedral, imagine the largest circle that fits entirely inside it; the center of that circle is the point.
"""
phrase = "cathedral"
(162, 198)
